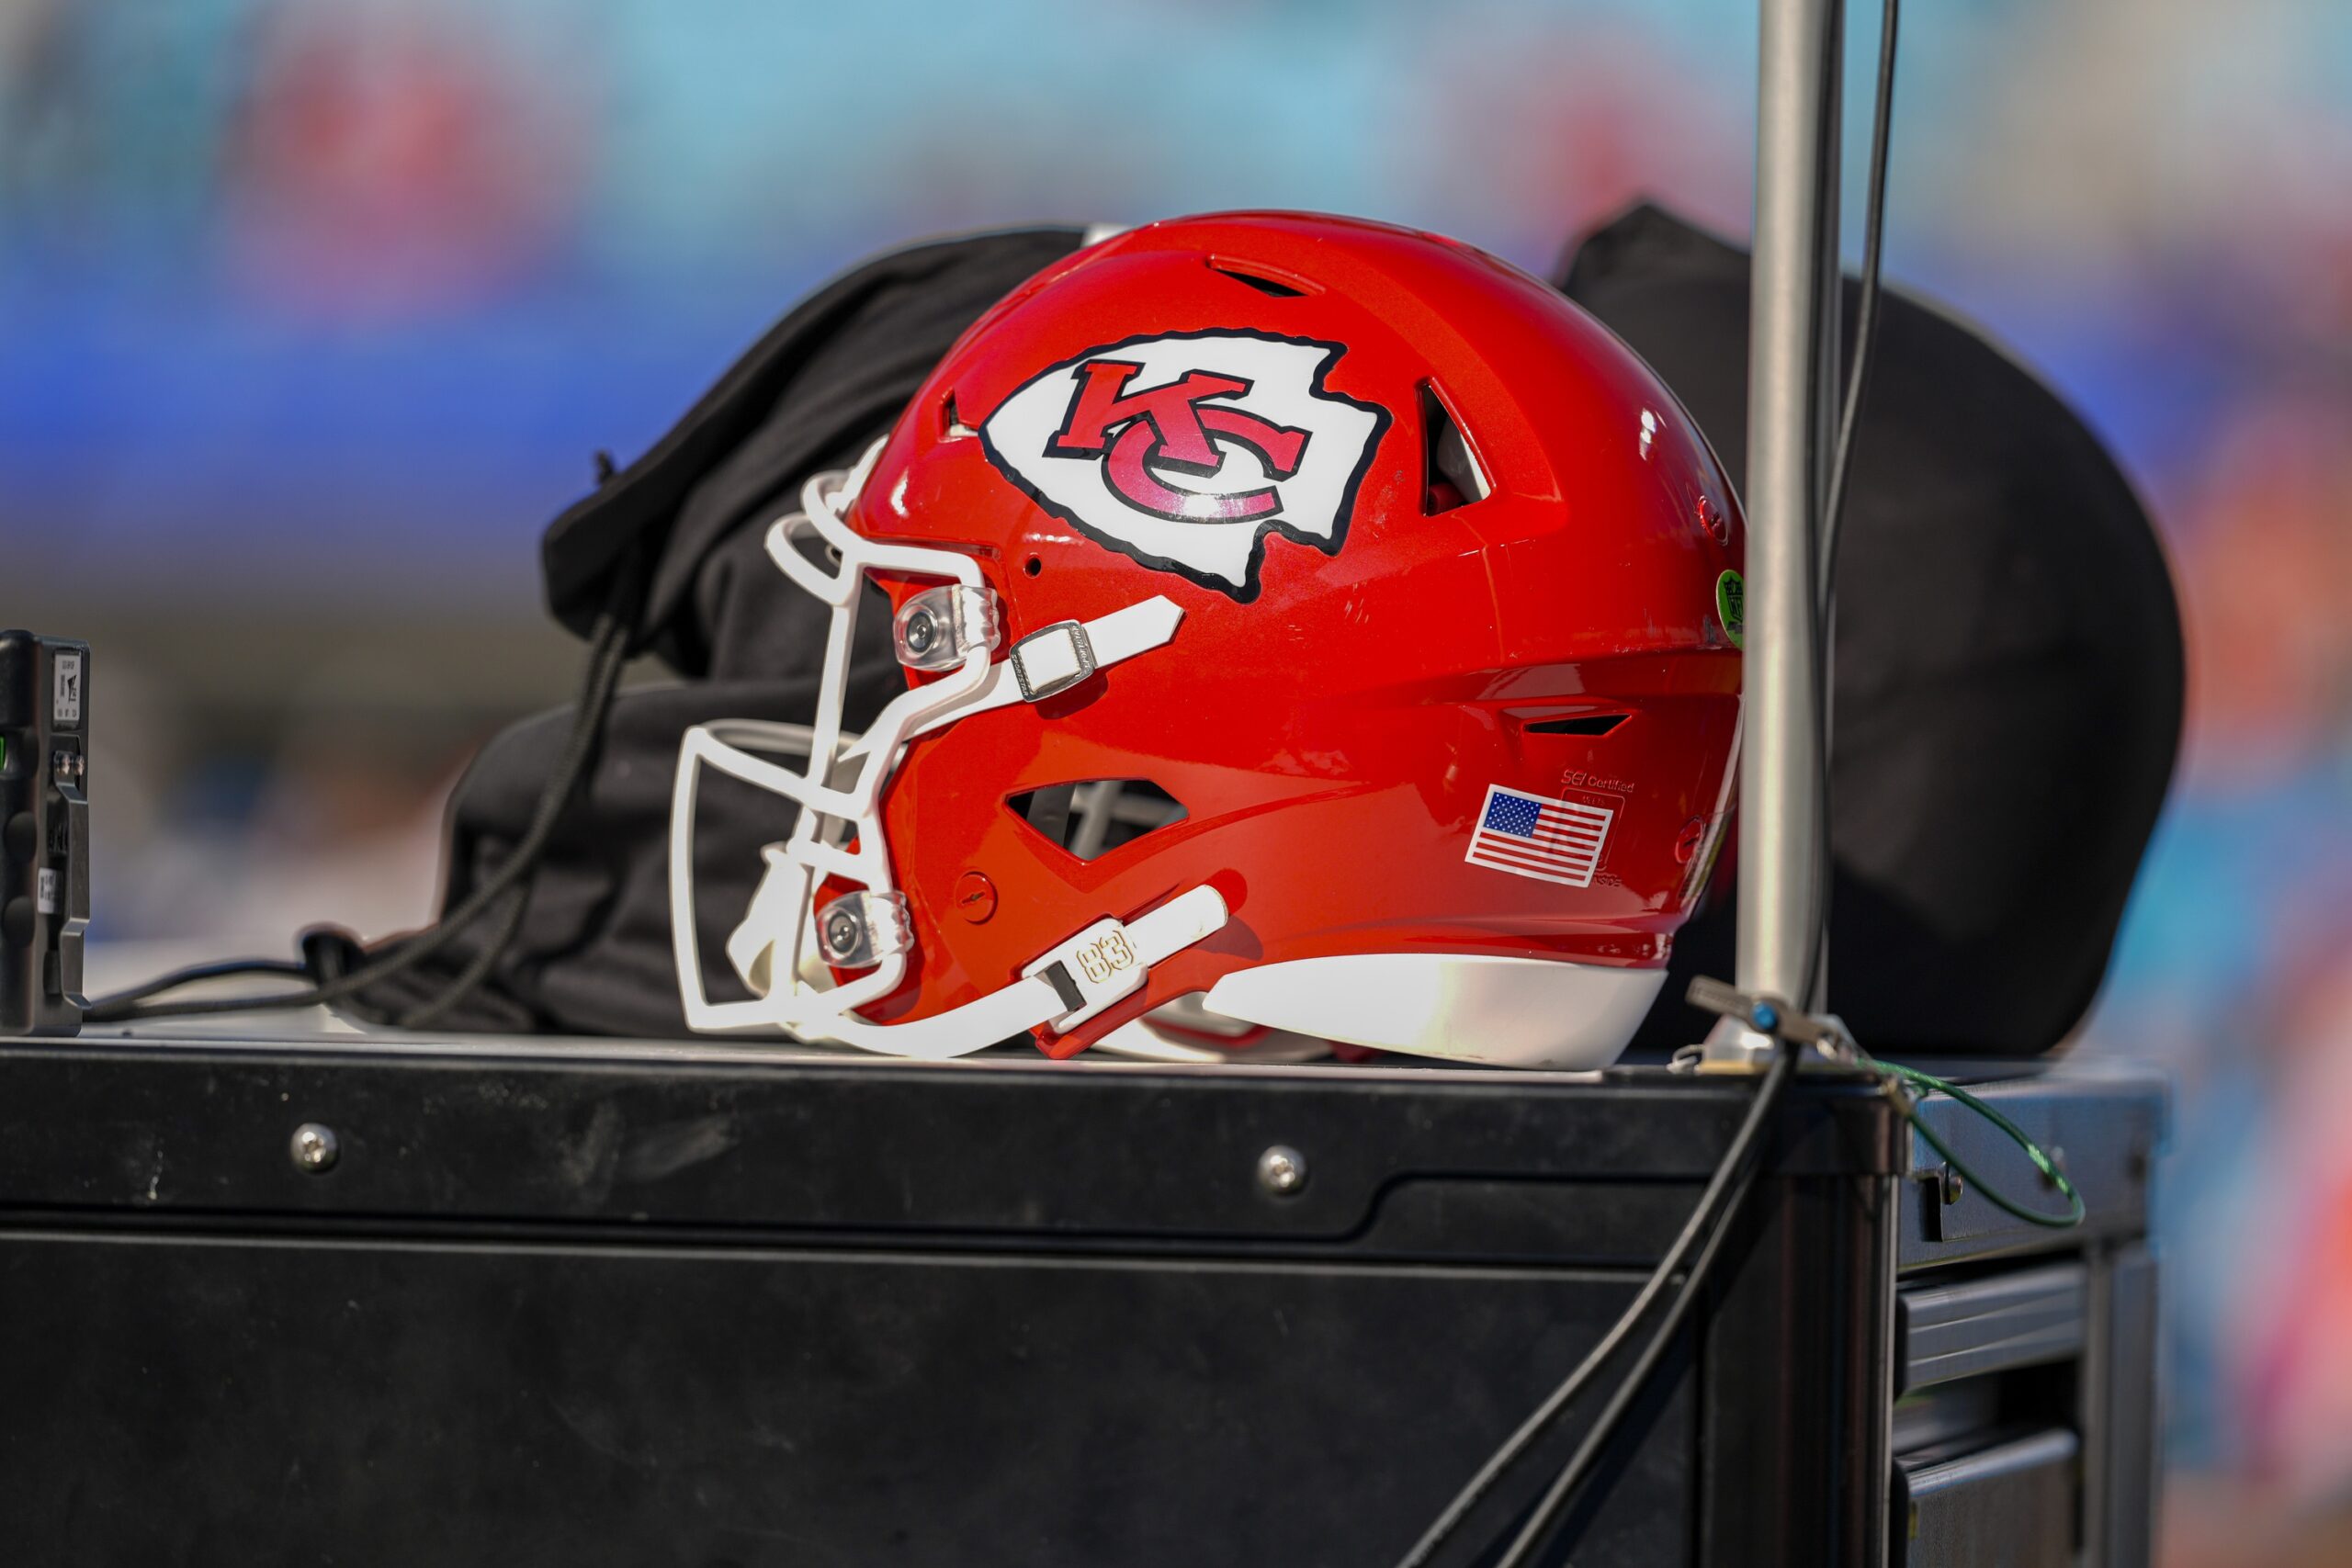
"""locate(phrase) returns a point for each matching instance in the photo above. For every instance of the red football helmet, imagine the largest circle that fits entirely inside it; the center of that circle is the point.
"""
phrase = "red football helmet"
(1320, 620)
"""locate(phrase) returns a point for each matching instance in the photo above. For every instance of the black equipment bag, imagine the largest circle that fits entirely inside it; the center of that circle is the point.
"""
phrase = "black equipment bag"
(2009, 665)
(592, 954)
(2005, 670)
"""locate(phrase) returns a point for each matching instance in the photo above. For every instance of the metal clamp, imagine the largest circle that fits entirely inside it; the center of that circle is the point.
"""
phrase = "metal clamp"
(858, 931)
(1052, 660)
(1832, 1042)
(940, 627)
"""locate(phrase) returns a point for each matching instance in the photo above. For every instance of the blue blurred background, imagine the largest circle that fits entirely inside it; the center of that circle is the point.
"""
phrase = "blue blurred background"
(313, 312)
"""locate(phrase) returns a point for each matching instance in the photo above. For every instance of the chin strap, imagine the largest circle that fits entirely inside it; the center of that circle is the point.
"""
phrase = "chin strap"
(1052, 660)
(1100, 965)
(1104, 963)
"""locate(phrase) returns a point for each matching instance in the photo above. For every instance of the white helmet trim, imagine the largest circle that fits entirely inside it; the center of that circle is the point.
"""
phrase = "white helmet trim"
(1503, 1011)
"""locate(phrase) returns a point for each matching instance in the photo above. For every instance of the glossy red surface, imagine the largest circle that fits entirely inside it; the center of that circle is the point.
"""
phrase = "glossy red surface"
(1333, 738)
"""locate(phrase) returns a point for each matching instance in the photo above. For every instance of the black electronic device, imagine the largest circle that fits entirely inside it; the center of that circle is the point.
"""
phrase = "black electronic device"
(44, 831)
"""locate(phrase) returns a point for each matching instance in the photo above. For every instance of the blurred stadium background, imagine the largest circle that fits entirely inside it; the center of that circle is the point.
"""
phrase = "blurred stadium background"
(312, 312)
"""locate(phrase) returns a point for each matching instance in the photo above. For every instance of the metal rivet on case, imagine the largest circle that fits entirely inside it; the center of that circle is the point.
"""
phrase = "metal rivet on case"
(1282, 1170)
(314, 1148)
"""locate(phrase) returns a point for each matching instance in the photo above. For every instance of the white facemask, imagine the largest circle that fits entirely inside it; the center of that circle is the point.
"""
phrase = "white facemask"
(785, 946)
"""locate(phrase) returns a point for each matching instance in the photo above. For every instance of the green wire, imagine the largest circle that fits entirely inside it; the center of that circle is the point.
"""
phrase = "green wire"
(1896, 1072)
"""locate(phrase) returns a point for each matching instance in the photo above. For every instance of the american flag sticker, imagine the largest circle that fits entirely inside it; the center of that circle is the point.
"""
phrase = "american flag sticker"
(1531, 835)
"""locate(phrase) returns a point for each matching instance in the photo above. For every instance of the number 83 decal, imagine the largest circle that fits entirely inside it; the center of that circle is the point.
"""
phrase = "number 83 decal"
(1100, 960)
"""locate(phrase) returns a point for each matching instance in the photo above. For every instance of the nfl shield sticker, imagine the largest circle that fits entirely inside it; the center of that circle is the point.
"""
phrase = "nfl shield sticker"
(1185, 450)
(1534, 835)
(1731, 608)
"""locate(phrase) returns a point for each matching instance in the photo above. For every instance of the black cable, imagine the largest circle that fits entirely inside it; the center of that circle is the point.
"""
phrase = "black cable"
(477, 968)
(1556, 1498)
(608, 655)
(605, 669)
(197, 974)
(1716, 1202)
(519, 867)
(1731, 1174)
(1841, 466)
(1866, 308)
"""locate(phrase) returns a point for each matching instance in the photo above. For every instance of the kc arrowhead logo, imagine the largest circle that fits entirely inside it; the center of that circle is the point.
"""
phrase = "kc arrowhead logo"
(1187, 450)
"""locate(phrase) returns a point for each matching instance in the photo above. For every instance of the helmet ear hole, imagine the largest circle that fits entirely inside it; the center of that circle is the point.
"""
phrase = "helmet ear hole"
(1452, 474)
(1091, 817)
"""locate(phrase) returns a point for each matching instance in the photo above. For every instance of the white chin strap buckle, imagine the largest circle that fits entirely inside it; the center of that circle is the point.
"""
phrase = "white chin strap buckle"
(1109, 960)
(1102, 964)
(1096, 968)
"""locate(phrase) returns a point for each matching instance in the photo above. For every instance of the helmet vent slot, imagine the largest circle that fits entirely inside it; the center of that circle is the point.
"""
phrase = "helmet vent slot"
(951, 424)
(1451, 473)
(1265, 281)
(1094, 817)
(1582, 724)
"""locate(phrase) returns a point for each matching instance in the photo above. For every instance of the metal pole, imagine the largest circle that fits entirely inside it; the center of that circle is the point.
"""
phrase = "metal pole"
(1792, 428)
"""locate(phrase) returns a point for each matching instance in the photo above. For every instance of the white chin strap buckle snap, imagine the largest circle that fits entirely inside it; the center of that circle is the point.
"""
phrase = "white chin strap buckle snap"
(1052, 658)
(1090, 971)
(1109, 959)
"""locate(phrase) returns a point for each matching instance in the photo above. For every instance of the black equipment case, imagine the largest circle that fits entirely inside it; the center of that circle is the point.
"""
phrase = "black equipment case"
(360, 1300)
